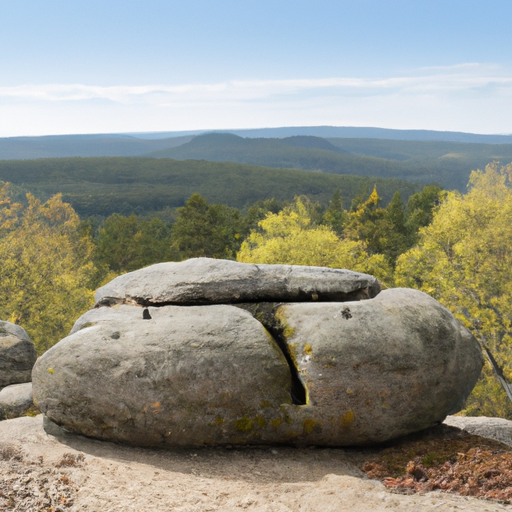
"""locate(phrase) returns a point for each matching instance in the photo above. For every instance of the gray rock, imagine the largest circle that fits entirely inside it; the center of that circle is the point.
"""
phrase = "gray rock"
(370, 371)
(17, 354)
(498, 429)
(189, 375)
(381, 368)
(15, 400)
(211, 281)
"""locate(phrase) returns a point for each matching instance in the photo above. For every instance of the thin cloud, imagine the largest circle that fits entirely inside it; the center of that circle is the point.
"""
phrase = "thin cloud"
(465, 97)
(440, 80)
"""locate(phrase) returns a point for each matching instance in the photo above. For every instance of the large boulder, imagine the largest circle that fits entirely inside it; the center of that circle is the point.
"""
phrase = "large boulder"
(17, 354)
(141, 369)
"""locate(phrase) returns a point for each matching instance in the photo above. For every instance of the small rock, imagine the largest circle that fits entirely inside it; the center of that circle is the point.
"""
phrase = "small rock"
(17, 354)
(15, 400)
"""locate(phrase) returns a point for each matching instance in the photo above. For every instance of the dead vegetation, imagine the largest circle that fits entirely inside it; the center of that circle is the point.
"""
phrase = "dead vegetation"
(445, 459)
(28, 485)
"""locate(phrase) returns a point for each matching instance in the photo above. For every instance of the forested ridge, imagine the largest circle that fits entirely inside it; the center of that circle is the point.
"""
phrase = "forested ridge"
(102, 186)
(446, 159)
(446, 163)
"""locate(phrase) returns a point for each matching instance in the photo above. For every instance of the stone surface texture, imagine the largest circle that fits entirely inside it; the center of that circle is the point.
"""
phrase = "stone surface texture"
(17, 354)
(211, 281)
(380, 368)
(15, 400)
(499, 429)
(167, 374)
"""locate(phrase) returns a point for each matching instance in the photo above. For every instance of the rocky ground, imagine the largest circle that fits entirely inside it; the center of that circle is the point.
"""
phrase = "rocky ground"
(42, 472)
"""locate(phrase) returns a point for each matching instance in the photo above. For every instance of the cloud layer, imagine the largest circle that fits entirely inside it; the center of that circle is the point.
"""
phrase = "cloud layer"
(467, 97)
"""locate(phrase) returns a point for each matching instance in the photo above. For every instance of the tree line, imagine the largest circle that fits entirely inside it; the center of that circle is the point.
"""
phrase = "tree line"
(455, 247)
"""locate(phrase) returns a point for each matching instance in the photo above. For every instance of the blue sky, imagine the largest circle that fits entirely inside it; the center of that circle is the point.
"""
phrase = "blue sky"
(111, 66)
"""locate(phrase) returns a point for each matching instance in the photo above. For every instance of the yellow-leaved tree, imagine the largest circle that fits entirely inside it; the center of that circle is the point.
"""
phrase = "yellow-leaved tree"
(464, 260)
(45, 267)
(291, 237)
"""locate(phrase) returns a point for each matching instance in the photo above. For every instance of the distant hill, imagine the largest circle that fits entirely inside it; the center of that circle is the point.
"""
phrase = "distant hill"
(102, 186)
(310, 142)
(294, 153)
(62, 146)
(446, 163)
(351, 132)
(136, 144)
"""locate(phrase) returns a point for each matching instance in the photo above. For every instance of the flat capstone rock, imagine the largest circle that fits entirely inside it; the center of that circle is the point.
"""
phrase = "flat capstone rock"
(212, 281)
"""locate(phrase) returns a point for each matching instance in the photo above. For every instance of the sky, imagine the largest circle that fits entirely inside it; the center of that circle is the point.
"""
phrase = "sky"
(163, 65)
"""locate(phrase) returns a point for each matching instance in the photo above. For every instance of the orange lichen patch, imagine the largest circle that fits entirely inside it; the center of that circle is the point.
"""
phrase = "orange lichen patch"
(445, 459)
(156, 407)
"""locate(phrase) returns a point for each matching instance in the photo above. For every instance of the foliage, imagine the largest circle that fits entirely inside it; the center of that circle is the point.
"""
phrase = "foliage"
(383, 230)
(366, 221)
(420, 209)
(45, 267)
(258, 211)
(128, 243)
(335, 217)
(446, 163)
(396, 233)
(206, 230)
(464, 260)
(290, 237)
(103, 186)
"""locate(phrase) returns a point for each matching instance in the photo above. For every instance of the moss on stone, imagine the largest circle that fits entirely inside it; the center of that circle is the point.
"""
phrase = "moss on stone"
(308, 425)
(276, 422)
(244, 424)
(261, 421)
(346, 420)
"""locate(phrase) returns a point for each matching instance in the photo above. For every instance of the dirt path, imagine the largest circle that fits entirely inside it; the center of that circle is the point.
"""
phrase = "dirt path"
(115, 478)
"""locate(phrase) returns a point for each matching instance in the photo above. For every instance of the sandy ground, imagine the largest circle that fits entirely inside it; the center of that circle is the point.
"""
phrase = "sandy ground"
(275, 479)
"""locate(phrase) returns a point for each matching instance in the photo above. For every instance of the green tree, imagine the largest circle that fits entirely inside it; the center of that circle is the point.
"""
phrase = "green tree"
(128, 243)
(45, 267)
(464, 260)
(420, 209)
(258, 211)
(291, 237)
(366, 222)
(394, 234)
(206, 230)
(335, 217)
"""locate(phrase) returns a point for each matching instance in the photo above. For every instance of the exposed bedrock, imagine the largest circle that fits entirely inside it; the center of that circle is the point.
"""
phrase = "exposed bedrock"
(258, 369)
